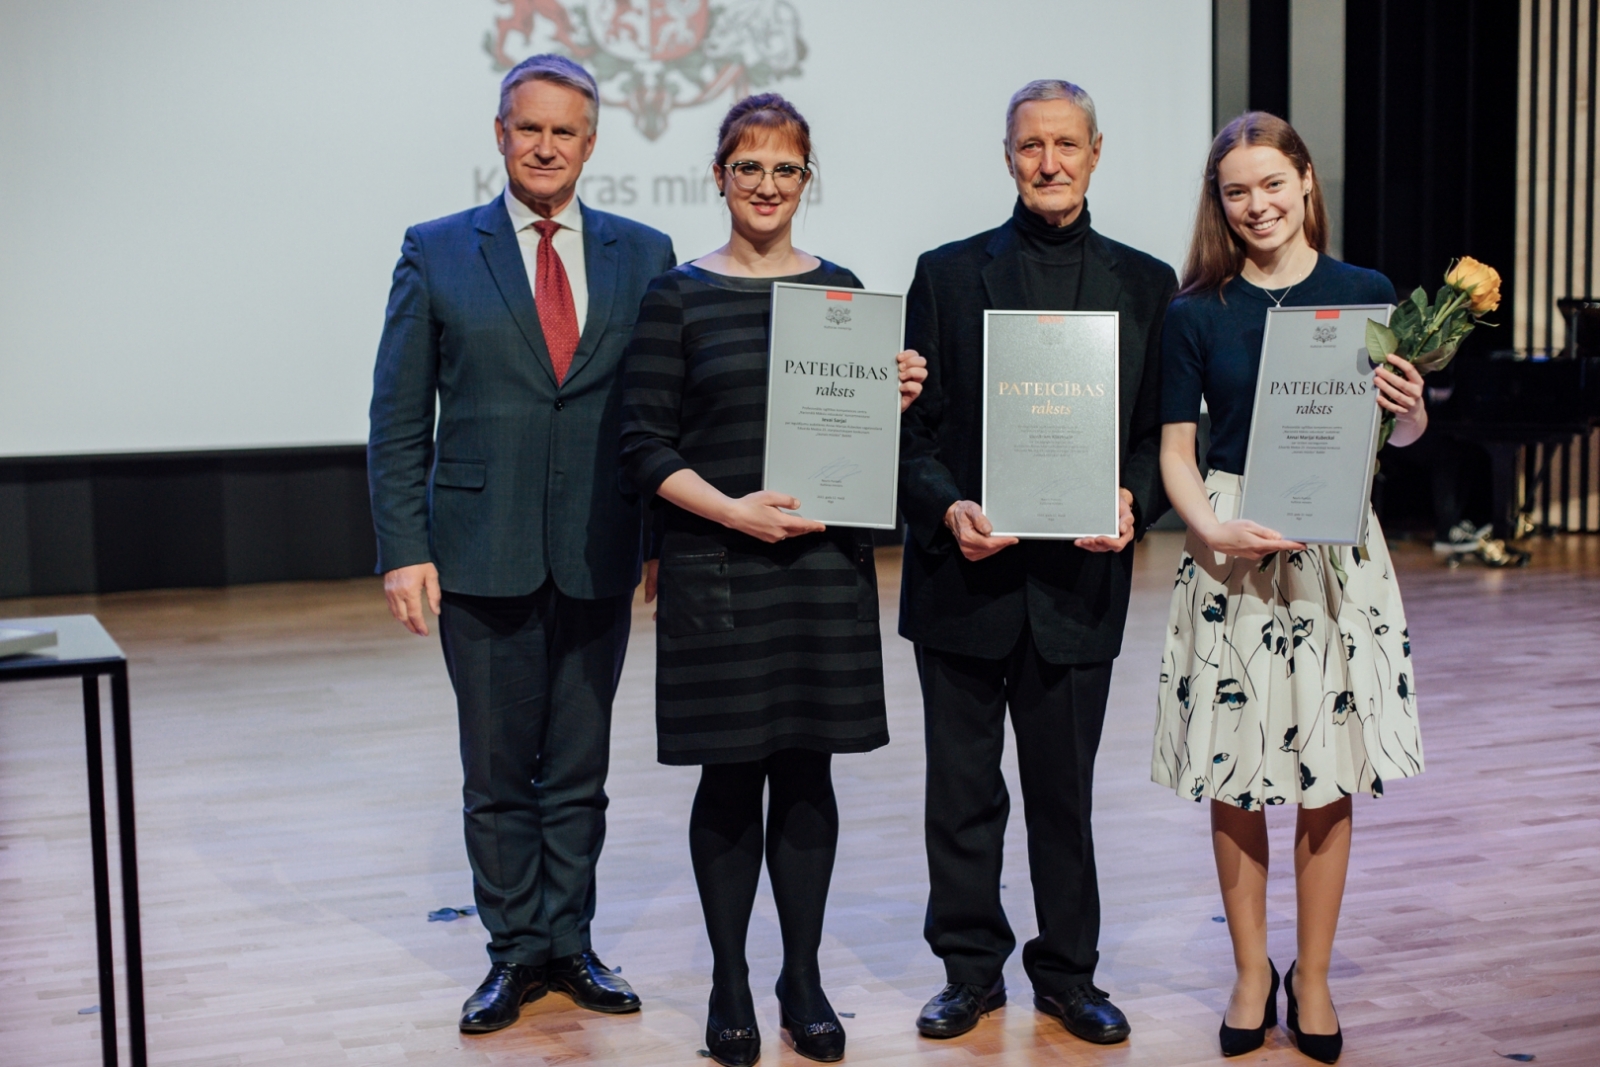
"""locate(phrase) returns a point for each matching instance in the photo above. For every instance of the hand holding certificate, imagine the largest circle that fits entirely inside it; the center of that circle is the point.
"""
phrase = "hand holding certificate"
(1308, 471)
(833, 403)
(1050, 411)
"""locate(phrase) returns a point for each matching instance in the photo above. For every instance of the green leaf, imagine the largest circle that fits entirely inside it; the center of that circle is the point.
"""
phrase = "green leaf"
(1439, 358)
(1419, 298)
(1406, 320)
(1338, 567)
(1380, 341)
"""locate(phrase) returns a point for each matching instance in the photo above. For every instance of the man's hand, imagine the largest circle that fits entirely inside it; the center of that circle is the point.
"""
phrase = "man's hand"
(405, 586)
(913, 372)
(972, 529)
(1124, 528)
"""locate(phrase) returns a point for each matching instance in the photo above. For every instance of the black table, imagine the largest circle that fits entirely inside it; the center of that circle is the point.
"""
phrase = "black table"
(84, 650)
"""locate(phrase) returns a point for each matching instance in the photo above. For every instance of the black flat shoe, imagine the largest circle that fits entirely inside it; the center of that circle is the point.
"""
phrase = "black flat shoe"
(591, 984)
(1237, 1041)
(822, 1041)
(496, 1003)
(1087, 1013)
(1322, 1047)
(733, 1044)
(957, 1007)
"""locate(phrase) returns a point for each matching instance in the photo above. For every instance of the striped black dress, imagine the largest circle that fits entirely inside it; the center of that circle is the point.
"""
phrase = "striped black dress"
(758, 647)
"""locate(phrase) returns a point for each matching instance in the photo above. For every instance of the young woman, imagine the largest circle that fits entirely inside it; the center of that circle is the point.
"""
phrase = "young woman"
(1287, 675)
(768, 658)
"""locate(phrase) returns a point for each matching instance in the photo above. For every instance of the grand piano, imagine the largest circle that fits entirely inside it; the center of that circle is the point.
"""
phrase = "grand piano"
(1544, 409)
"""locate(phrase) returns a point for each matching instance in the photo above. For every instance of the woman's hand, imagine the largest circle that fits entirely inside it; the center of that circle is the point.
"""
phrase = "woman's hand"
(758, 515)
(1400, 393)
(1247, 540)
(913, 372)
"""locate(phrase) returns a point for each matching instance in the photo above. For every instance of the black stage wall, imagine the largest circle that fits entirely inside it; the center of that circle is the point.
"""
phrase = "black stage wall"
(110, 524)
(1431, 174)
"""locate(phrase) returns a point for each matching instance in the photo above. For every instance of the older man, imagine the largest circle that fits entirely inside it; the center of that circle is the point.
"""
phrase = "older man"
(506, 515)
(1032, 626)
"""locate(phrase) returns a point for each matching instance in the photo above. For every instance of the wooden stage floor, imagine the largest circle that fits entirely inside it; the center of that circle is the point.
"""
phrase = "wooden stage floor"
(298, 791)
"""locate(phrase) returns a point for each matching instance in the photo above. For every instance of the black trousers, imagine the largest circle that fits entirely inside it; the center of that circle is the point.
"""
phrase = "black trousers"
(1057, 713)
(534, 678)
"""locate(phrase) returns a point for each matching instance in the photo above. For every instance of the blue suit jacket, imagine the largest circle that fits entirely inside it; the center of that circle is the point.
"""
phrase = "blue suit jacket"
(518, 480)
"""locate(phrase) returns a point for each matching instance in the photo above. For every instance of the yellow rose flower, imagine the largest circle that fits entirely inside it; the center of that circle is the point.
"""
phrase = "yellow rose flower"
(1479, 281)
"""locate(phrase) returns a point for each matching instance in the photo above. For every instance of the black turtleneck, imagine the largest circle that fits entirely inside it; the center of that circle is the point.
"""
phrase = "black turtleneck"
(1052, 259)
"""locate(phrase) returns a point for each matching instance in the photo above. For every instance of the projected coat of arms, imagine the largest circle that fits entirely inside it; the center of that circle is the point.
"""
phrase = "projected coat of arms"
(654, 56)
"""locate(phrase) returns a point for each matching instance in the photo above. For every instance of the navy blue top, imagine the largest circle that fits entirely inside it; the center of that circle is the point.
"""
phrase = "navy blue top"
(1211, 347)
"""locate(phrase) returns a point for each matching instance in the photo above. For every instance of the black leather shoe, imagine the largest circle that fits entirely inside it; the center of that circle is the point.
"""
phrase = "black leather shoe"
(958, 1007)
(735, 1045)
(1087, 1013)
(497, 1002)
(1236, 1041)
(822, 1040)
(591, 984)
(1323, 1047)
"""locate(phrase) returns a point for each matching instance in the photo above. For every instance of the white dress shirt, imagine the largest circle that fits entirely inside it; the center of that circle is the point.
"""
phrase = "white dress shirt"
(569, 246)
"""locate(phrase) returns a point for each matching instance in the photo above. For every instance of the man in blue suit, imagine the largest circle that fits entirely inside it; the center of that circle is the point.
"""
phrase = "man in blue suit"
(493, 469)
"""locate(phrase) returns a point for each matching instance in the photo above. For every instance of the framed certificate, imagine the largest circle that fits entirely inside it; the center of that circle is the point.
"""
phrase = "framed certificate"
(833, 403)
(1050, 460)
(1314, 428)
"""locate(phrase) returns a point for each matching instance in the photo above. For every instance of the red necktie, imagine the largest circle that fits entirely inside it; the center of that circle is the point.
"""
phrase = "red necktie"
(558, 315)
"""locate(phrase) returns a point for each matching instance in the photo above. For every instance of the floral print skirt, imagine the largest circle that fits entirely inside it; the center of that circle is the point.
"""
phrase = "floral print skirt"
(1286, 680)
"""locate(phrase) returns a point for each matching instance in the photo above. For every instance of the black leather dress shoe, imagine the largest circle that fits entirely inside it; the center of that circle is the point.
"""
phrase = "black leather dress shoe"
(958, 1007)
(591, 984)
(497, 1002)
(1087, 1013)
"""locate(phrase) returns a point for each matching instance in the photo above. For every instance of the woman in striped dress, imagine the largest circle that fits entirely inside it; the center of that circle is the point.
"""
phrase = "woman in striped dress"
(768, 657)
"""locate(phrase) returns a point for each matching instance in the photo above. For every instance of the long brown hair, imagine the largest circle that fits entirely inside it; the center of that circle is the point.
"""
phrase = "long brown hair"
(1216, 253)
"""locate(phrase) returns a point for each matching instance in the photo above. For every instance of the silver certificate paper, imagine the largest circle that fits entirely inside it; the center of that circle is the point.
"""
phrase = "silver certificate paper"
(1308, 470)
(1050, 463)
(833, 403)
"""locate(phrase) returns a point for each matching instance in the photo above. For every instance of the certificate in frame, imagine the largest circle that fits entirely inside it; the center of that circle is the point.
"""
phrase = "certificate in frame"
(1051, 398)
(833, 403)
(1314, 426)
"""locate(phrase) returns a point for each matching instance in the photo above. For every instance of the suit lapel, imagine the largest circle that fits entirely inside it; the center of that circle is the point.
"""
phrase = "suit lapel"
(498, 243)
(1002, 275)
(1099, 287)
(600, 273)
(1101, 290)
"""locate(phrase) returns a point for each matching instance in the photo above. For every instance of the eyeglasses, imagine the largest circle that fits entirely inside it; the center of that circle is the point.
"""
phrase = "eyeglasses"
(748, 175)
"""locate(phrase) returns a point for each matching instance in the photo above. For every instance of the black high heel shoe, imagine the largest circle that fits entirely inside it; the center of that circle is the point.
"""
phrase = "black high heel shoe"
(822, 1040)
(1236, 1041)
(1322, 1047)
(738, 1045)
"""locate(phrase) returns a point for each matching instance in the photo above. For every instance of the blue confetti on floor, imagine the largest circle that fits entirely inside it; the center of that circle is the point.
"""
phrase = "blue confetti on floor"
(450, 915)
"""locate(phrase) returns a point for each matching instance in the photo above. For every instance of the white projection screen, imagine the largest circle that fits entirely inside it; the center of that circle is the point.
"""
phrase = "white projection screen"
(201, 203)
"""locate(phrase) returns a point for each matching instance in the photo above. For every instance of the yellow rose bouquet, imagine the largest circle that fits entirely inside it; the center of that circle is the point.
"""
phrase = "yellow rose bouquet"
(1428, 334)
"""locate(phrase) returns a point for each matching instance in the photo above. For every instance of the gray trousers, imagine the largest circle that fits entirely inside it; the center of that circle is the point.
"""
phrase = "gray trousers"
(534, 678)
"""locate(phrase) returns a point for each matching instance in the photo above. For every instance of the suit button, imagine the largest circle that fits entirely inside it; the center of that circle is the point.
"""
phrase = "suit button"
(558, 405)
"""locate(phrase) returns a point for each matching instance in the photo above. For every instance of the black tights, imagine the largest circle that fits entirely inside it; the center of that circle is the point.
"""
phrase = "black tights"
(725, 843)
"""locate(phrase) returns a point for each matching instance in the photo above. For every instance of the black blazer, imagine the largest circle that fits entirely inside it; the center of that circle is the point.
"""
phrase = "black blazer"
(520, 480)
(1075, 601)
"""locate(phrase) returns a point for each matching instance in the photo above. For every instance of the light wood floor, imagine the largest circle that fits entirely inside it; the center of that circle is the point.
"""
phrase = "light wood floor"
(298, 812)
